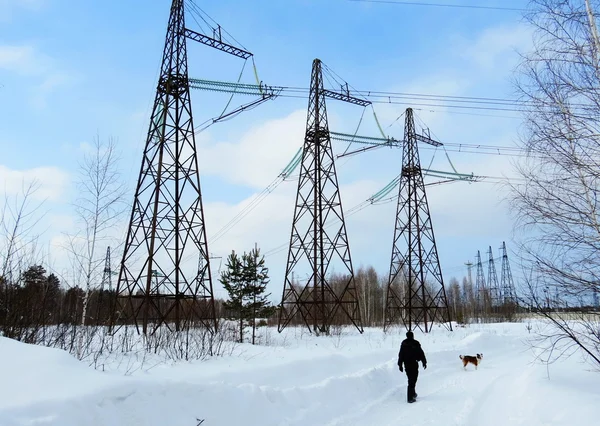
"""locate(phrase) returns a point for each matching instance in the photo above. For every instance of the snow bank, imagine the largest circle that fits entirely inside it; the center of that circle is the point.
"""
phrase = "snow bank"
(350, 379)
(32, 374)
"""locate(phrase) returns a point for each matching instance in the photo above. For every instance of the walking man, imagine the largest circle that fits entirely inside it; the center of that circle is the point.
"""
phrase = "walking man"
(410, 354)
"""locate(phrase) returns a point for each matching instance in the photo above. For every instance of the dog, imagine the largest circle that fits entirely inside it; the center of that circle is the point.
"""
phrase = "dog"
(475, 360)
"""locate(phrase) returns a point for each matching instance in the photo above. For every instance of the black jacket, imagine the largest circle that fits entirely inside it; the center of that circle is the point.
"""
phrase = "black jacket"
(410, 353)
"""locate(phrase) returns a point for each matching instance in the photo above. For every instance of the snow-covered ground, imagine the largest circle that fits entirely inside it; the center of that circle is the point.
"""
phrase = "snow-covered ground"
(306, 380)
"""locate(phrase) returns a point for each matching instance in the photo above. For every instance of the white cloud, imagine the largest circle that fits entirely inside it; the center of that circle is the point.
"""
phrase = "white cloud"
(496, 47)
(269, 225)
(41, 71)
(52, 181)
(50, 83)
(270, 145)
(8, 7)
(22, 60)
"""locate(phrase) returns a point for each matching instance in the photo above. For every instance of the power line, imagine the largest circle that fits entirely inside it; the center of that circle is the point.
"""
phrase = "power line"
(211, 84)
(438, 105)
(379, 97)
(461, 6)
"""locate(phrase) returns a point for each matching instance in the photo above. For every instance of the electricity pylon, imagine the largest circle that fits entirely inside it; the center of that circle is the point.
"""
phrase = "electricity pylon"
(493, 286)
(508, 286)
(480, 288)
(319, 242)
(415, 291)
(160, 282)
(104, 284)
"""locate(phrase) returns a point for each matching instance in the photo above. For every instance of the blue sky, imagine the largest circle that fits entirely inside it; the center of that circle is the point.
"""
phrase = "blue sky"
(72, 70)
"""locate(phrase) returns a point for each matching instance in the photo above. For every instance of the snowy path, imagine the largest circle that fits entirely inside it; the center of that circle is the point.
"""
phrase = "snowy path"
(314, 383)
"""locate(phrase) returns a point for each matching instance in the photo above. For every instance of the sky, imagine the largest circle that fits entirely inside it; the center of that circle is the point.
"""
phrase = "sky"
(72, 71)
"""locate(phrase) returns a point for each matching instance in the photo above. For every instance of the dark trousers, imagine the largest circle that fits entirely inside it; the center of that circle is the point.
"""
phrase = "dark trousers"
(412, 373)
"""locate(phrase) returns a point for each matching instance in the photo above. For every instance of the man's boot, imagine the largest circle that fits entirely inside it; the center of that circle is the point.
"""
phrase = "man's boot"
(410, 397)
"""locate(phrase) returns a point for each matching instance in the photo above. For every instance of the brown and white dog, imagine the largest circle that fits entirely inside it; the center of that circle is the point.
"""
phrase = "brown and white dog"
(475, 360)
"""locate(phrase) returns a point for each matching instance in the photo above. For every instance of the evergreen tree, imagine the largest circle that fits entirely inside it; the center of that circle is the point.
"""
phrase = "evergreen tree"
(257, 278)
(245, 279)
(34, 277)
(232, 279)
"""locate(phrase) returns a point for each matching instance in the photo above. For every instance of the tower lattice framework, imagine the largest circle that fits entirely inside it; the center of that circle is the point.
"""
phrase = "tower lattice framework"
(319, 242)
(105, 284)
(495, 292)
(480, 288)
(159, 280)
(415, 292)
(506, 280)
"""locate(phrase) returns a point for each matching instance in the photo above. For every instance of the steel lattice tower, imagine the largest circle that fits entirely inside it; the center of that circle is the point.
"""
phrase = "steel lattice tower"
(480, 288)
(506, 279)
(318, 241)
(415, 291)
(493, 286)
(159, 280)
(106, 282)
(107, 272)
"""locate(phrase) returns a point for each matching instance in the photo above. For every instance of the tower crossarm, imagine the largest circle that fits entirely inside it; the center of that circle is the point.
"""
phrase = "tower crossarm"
(346, 97)
(427, 139)
(217, 44)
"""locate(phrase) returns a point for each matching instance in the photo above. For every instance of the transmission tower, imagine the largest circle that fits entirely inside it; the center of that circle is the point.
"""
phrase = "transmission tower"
(493, 287)
(506, 280)
(318, 242)
(160, 282)
(480, 289)
(104, 284)
(469, 266)
(107, 273)
(465, 293)
(415, 291)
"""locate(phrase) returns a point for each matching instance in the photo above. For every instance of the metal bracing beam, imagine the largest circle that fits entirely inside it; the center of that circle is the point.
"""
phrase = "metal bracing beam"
(217, 44)
(427, 139)
(346, 98)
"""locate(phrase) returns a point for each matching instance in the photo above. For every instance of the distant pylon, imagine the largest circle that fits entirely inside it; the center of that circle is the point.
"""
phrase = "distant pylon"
(493, 286)
(319, 242)
(480, 288)
(469, 265)
(107, 272)
(508, 286)
(415, 291)
(159, 280)
(104, 284)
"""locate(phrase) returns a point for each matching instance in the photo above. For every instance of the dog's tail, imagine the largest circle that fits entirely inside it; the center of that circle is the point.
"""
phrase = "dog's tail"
(460, 356)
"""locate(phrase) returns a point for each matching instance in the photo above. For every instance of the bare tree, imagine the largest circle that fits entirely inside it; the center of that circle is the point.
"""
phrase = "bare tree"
(371, 295)
(454, 295)
(18, 251)
(99, 207)
(17, 222)
(557, 206)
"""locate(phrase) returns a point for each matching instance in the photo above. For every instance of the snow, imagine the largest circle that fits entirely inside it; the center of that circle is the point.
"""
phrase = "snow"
(302, 379)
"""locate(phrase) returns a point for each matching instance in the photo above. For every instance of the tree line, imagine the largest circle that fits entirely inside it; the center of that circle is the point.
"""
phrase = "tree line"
(37, 299)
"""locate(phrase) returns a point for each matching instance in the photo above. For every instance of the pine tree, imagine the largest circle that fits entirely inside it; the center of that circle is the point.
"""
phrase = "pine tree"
(232, 279)
(245, 279)
(257, 276)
